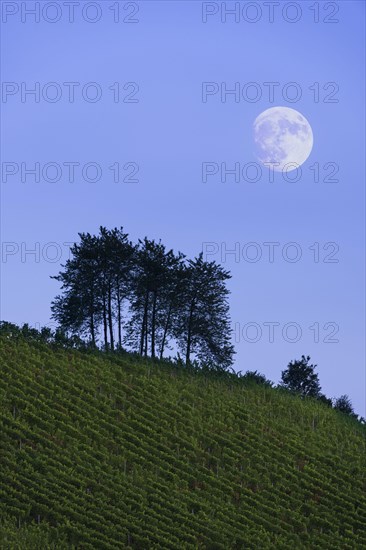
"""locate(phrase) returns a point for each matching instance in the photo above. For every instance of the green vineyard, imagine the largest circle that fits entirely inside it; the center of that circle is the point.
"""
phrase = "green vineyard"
(113, 452)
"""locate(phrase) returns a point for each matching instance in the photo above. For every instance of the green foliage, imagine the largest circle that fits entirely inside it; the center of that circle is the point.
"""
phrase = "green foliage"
(202, 328)
(343, 404)
(117, 451)
(301, 378)
(256, 377)
(326, 400)
(58, 337)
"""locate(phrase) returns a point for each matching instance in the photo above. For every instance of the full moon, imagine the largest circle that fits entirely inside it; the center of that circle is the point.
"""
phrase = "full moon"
(283, 138)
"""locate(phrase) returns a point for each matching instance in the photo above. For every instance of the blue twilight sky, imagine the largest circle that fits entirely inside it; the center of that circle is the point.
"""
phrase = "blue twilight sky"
(161, 126)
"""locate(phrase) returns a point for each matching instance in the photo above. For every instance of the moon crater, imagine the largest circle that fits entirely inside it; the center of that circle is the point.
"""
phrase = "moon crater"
(283, 138)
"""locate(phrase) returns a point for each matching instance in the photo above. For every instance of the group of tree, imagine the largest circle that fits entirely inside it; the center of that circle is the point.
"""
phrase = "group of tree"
(144, 298)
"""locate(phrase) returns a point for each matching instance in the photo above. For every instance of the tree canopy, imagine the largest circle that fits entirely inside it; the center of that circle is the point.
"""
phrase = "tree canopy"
(300, 377)
(344, 405)
(146, 298)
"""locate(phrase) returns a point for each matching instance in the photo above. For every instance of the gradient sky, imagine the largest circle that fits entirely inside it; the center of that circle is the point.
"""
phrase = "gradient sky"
(169, 132)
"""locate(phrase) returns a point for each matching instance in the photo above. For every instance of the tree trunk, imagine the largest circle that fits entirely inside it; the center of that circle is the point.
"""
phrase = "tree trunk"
(146, 335)
(165, 331)
(153, 322)
(110, 318)
(119, 302)
(143, 337)
(91, 313)
(105, 324)
(92, 327)
(189, 335)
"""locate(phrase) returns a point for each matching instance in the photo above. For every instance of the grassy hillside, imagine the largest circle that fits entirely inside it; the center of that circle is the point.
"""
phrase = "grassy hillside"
(114, 453)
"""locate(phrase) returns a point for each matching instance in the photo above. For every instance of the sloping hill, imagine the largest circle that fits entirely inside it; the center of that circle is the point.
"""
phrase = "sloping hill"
(114, 453)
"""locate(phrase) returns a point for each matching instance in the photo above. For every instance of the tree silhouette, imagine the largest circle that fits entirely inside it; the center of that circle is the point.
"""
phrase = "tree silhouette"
(257, 378)
(79, 309)
(344, 405)
(300, 377)
(171, 300)
(203, 327)
(151, 283)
